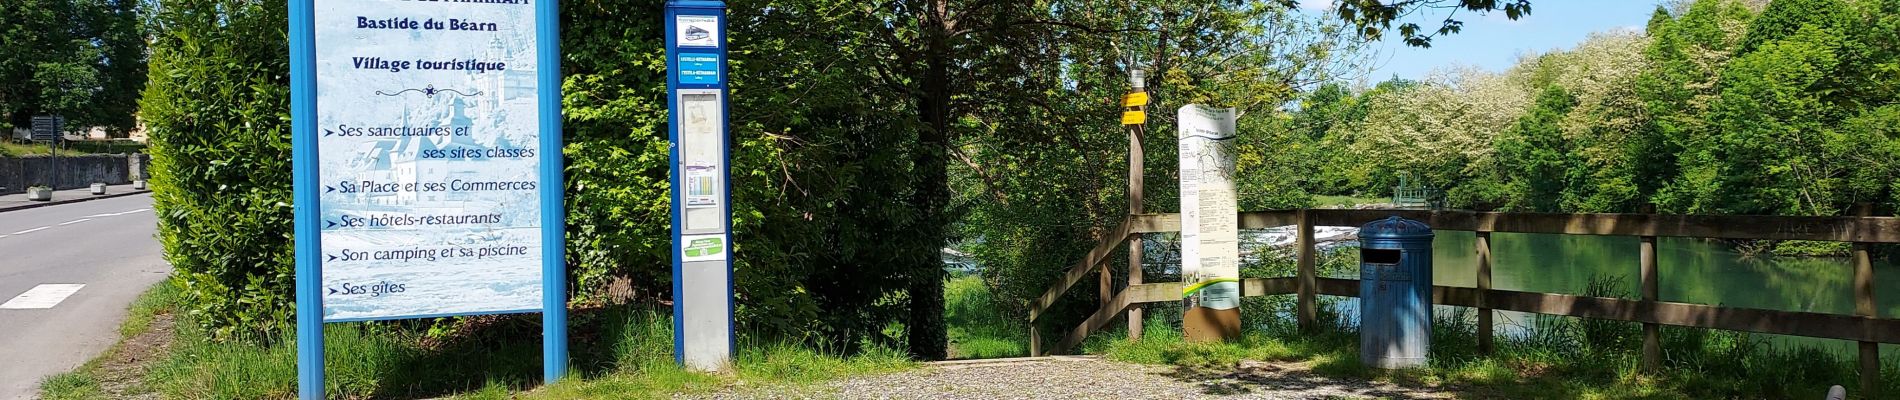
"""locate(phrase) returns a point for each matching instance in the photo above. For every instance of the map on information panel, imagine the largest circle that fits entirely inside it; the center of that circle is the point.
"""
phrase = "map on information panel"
(1210, 242)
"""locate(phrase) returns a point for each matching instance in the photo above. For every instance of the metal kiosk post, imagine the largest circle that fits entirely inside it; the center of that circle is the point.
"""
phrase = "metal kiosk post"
(702, 217)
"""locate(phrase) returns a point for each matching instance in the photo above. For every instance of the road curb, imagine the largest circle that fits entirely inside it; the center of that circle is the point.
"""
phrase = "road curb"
(78, 200)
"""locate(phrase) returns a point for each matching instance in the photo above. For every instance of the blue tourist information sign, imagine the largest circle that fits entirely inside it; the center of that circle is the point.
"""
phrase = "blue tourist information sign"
(427, 165)
(702, 241)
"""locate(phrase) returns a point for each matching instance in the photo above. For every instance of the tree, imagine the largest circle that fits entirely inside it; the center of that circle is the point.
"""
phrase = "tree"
(936, 48)
(83, 59)
(1774, 143)
(1687, 53)
(1374, 17)
(1442, 131)
(67, 86)
(1536, 161)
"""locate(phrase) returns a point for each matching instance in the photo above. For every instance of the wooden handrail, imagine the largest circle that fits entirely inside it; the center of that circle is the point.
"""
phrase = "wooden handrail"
(1156, 293)
(1796, 323)
(1075, 273)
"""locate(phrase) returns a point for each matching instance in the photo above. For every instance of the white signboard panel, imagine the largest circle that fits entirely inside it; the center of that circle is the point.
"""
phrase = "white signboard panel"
(697, 31)
(427, 142)
(1210, 245)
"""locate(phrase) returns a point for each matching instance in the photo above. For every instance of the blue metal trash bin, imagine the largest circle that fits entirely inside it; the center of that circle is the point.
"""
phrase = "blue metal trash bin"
(1395, 293)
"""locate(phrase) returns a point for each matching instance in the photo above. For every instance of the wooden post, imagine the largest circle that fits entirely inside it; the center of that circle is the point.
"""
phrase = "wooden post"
(1136, 159)
(1035, 340)
(1308, 280)
(1484, 283)
(1864, 306)
(1652, 333)
(1134, 278)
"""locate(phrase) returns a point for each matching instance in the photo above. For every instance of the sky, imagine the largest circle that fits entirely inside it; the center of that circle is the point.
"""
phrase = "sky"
(1493, 42)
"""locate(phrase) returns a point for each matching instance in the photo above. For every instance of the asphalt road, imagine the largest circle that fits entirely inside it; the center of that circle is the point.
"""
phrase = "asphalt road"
(109, 245)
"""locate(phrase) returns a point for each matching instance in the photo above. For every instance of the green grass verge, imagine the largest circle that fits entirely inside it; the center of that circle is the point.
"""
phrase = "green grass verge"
(86, 382)
(72, 385)
(1568, 358)
(620, 353)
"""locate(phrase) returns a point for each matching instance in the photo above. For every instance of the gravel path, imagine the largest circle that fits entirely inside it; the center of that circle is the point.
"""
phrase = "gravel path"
(1092, 378)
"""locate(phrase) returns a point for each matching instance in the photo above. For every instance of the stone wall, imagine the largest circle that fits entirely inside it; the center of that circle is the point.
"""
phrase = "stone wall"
(16, 173)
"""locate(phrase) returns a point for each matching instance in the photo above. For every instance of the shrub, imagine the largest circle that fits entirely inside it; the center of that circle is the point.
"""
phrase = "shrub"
(217, 111)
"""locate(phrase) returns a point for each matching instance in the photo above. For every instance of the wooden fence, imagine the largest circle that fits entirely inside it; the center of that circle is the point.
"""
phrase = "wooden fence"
(1864, 326)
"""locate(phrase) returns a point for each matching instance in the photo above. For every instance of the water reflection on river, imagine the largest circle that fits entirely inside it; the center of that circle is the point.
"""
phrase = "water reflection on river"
(1690, 271)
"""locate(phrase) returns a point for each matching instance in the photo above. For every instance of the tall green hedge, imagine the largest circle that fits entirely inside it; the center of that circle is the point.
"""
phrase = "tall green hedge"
(217, 109)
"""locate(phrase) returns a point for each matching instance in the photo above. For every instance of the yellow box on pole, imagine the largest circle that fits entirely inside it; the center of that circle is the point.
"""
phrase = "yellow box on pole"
(1136, 99)
(1134, 117)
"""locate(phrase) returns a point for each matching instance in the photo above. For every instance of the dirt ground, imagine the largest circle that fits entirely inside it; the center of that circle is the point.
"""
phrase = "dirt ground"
(1091, 378)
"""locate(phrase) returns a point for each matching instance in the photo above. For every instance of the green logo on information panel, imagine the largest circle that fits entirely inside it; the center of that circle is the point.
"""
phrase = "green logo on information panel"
(705, 247)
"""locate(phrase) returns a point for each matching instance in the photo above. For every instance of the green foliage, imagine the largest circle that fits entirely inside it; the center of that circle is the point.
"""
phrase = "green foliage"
(1374, 17)
(1783, 19)
(1043, 155)
(217, 112)
(1536, 159)
(1809, 248)
(82, 59)
(978, 328)
(1716, 110)
(1768, 100)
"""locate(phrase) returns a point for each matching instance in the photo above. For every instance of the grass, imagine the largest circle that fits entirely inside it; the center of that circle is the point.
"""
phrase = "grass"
(1323, 201)
(72, 385)
(623, 352)
(85, 382)
(10, 148)
(627, 353)
(1562, 358)
(976, 326)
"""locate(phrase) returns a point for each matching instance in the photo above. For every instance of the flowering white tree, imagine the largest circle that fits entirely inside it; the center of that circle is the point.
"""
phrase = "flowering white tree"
(1440, 130)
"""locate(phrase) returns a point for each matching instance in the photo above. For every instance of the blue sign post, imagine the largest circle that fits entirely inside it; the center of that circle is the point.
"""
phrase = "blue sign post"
(427, 166)
(702, 217)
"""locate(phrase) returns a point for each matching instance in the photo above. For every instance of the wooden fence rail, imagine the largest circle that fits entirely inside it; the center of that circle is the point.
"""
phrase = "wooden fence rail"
(1865, 326)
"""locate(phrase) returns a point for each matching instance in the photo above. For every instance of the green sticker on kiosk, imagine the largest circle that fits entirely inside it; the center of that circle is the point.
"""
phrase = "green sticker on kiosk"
(705, 247)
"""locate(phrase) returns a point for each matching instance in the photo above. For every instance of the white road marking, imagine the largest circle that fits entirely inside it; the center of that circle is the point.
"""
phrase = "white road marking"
(118, 213)
(43, 296)
(82, 219)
